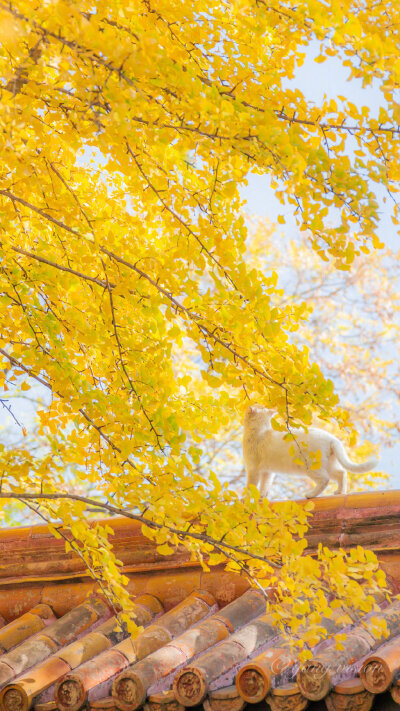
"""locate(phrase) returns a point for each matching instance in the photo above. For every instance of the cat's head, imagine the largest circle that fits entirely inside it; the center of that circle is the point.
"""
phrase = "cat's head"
(257, 412)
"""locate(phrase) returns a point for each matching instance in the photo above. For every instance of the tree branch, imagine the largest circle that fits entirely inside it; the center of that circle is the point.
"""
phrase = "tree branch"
(17, 364)
(62, 268)
(182, 535)
(179, 219)
(124, 367)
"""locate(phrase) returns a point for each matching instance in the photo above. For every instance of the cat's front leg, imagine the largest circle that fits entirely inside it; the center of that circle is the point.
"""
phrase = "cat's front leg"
(266, 479)
(253, 477)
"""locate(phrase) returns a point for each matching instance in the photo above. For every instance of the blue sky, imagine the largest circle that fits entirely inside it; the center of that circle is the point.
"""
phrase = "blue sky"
(315, 81)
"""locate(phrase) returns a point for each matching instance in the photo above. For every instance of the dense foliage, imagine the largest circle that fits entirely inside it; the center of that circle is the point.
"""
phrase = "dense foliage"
(127, 129)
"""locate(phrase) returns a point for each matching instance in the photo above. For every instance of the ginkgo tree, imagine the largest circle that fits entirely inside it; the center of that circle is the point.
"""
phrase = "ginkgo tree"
(127, 129)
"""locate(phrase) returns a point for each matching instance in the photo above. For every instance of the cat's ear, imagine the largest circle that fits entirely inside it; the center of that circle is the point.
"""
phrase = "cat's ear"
(258, 409)
(253, 410)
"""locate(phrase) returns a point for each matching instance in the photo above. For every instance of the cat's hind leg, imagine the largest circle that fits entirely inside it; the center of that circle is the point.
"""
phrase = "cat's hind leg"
(266, 479)
(321, 483)
(340, 475)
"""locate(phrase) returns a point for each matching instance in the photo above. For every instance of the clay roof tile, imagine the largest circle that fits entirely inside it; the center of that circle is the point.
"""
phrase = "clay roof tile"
(202, 631)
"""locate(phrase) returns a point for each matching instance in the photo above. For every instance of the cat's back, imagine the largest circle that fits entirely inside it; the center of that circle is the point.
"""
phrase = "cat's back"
(316, 437)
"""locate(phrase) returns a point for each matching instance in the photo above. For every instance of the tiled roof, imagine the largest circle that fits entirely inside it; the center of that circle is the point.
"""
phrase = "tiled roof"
(207, 638)
(195, 653)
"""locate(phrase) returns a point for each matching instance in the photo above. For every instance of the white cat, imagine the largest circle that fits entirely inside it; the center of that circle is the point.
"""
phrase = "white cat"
(267, 453)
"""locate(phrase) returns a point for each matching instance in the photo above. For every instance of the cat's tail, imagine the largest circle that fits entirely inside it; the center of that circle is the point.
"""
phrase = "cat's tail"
(340, 453)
